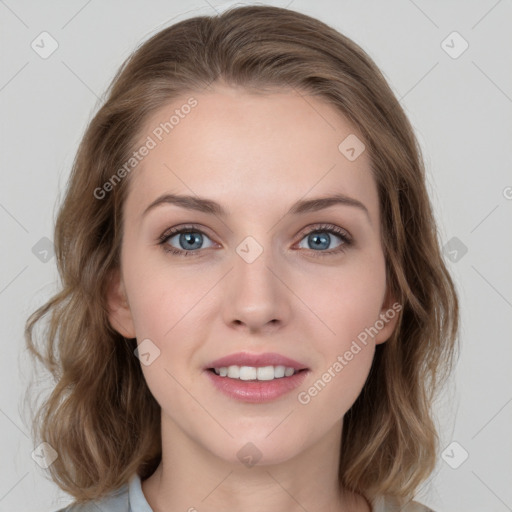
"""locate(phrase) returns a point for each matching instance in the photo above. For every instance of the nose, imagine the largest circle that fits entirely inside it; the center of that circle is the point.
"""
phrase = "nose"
(255, 296)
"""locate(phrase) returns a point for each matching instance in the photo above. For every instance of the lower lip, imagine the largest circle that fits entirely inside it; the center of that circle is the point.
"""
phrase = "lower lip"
(256, 391)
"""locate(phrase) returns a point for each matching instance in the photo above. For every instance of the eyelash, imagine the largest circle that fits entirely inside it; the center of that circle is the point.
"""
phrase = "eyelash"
(323, 228)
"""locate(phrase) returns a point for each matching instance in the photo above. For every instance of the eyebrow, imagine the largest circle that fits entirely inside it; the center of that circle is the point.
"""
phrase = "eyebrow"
(303, 206)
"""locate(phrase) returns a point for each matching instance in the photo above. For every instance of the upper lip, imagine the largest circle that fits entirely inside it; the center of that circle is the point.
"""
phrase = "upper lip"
(247, 359)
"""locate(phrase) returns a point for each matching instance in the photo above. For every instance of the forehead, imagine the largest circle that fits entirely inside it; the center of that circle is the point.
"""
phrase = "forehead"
(250, 150)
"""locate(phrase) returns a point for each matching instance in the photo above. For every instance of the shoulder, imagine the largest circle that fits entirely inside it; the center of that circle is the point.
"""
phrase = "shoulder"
(391, 504)
(116, 502)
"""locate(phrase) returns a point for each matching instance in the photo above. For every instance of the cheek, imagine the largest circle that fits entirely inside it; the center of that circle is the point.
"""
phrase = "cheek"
(348, 305)
(159, 298)
(347, 301)
(331, 392)
(349, 309)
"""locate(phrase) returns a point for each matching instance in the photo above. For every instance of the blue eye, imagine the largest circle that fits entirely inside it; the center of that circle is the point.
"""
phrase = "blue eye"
(320, 237)
(190, 240)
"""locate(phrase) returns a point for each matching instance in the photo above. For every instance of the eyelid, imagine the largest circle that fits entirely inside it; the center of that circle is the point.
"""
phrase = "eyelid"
(183, 227)
(326, 226)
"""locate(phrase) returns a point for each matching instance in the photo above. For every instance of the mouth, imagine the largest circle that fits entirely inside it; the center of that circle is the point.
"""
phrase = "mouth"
(256, 378)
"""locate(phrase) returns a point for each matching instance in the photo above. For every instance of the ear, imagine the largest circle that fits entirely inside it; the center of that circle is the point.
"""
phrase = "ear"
(119, 313)
(388, 318)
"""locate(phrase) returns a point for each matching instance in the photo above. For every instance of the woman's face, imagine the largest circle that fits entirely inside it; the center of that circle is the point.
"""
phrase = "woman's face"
(267, 274)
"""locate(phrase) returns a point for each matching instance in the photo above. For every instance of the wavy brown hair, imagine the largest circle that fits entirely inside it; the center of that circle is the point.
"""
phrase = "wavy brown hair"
(100, 416)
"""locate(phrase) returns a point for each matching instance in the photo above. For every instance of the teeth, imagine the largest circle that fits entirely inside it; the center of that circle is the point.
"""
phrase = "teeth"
(289, 372)
(255, 373)
(233, 372)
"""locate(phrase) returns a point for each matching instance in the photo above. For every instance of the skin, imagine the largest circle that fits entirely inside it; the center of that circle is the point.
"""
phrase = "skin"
(256, 154)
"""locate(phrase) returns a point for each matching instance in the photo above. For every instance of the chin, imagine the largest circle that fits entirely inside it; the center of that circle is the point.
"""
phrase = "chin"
(257, 449)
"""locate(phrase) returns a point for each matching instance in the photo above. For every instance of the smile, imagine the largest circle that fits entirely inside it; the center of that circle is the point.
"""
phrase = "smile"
(252, 373)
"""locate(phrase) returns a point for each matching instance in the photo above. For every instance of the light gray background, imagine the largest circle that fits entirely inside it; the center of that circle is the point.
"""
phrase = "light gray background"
(460, 107)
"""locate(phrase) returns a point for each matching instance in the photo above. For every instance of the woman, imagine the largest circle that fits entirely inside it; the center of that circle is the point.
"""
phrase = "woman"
(254, 310)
